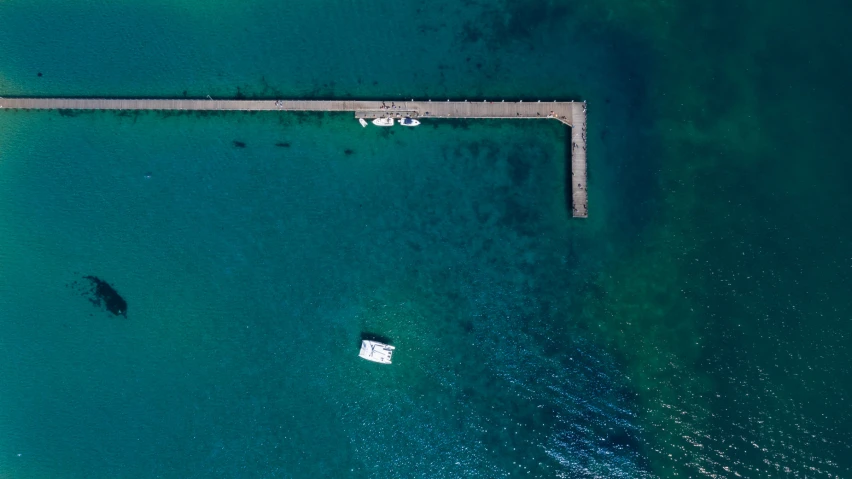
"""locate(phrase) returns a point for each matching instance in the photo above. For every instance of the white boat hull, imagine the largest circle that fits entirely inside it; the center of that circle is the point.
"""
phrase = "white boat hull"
(376, 352)
(409, 122)
(383, 122)
(363, 122)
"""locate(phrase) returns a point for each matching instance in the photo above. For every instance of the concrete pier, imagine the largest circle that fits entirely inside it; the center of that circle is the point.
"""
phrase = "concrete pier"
(572, 114)
(579, 195)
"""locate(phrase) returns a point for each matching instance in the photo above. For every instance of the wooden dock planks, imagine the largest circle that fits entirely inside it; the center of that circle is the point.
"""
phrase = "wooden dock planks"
(579, 194)
(572, 114)
(435, 109)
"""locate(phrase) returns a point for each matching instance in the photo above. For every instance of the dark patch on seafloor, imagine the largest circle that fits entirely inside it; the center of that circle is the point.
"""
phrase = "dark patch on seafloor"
(239, 144)
(100, 293)
(348, 151)
(283, 144)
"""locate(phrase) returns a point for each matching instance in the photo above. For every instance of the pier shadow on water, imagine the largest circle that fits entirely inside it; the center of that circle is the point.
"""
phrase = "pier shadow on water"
(569, 152)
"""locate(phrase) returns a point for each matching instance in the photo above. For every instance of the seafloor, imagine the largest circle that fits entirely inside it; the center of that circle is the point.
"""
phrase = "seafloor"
(697, 324)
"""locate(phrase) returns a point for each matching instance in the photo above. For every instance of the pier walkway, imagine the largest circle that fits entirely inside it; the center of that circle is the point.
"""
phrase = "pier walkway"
(572, 114)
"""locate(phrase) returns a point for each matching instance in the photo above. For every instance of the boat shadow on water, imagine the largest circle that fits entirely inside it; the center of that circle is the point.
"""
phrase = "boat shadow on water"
(374, 337)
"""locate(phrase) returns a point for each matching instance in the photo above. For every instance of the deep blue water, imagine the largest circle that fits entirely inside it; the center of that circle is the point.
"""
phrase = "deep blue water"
(696, 324)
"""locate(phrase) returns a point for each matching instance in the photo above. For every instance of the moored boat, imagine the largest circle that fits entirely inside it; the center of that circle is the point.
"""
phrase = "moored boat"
(376, 351)
(383, 122)
(408, 122)
(363, 122)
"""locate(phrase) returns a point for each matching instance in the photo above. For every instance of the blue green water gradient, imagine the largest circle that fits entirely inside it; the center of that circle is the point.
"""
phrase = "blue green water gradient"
(697, 324)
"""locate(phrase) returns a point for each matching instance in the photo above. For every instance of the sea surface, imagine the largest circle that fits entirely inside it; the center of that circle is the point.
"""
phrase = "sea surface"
(697, 324)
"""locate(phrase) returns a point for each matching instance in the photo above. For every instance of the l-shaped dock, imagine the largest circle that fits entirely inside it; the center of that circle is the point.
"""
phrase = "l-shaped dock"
(572, 114)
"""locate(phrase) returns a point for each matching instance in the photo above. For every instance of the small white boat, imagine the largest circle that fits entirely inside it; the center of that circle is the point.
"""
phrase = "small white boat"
(376, 351)
(383, 122)
(363, 122)
(408, 122)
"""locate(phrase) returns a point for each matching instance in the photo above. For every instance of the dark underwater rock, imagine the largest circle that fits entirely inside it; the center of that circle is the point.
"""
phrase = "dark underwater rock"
(100, 293)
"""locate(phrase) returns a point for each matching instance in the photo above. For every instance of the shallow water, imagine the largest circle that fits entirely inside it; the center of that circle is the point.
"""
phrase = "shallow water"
(695, 324)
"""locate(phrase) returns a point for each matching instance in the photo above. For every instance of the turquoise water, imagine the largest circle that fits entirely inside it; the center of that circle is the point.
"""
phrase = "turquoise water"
(696, 324)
